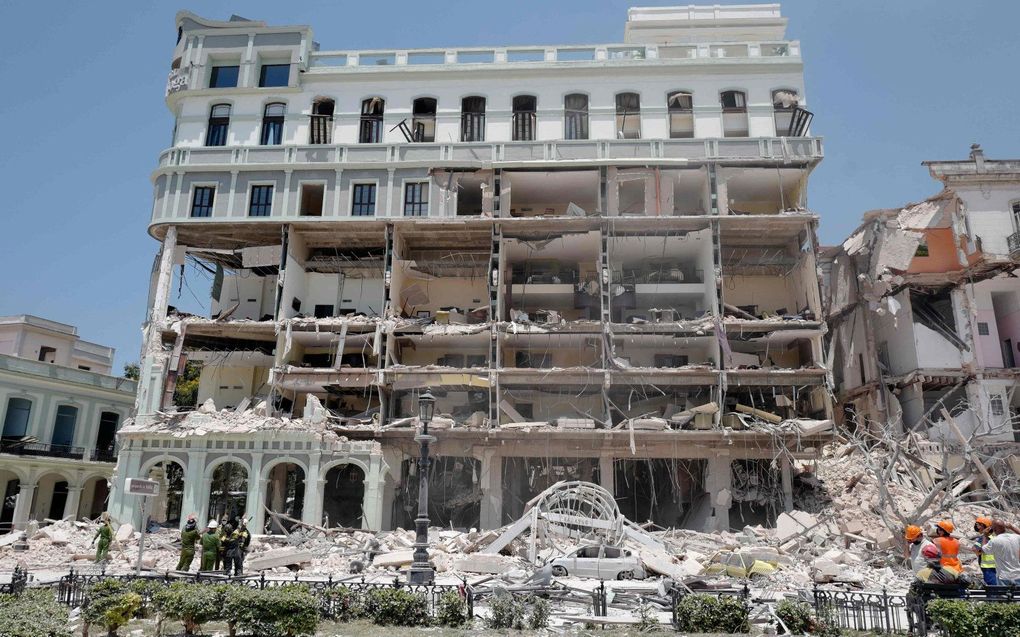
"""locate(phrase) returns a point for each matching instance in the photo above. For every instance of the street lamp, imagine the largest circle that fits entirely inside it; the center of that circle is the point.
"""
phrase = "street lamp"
(421, 572)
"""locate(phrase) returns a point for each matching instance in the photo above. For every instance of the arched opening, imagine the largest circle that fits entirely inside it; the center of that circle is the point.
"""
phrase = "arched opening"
(272, 124)
(50, 497)
(525, 118)
(784, 103)
(10, 485)
(575, 116)
(285, 494)
(423, 119)
(94, 496)
(371, 120)
(166, 507)
(680, 105)
(320, 130)
(228, 491)
(472, 119)
(628, 116)
(219, 123)
(734, 113)
(343, 496)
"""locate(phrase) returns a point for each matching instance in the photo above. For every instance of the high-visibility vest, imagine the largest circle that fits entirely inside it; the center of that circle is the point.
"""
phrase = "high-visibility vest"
(987, 559)
(950, 548)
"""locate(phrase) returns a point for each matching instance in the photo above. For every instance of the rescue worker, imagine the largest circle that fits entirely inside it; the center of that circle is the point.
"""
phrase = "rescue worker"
(210, 546)
(105, 535)
(232, 550)
(189, 537)
(916, 542)
(948, 545)
(1005, 548)
(245, 542)
(983, 527)
(935, 571)
(220, 533)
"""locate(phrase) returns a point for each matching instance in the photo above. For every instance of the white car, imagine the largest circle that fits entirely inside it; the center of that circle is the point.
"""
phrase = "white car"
(602, 562)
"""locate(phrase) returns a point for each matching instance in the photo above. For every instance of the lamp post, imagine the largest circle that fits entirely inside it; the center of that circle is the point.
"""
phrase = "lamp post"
(421, 572)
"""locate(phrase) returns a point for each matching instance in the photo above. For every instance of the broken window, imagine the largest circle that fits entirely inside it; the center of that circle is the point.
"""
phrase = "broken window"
(363, 200)
(285, 494)
(668, 492)
(271, 75)
(371, 120)
(219, 122)
(343, 496)
(16, 419)
(228, 491)
(680, 106)
(223, 76)
(202, 201)
(524, 118)
(311, 199)
(628, 116)
(261, 203)
(455, 493)
(734, 109)
(472, 119)
(922, 248)
(170, 475)
(575, 116)
(997, 405)
(272, 124)
(47, 354)
(321, 123)
(423, 119)
(63, 426)
(107, 435)
(784, 103)
(416, 199)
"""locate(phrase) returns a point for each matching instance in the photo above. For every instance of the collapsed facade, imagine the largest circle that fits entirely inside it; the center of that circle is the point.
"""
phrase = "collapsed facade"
(598, 258)
(60, 408)
(923, 308)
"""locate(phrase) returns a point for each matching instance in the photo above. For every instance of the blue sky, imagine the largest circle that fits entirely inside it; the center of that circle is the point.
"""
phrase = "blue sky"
(891, 83)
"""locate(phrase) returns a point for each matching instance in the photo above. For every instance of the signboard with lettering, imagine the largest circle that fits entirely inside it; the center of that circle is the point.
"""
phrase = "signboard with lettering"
(138, 486)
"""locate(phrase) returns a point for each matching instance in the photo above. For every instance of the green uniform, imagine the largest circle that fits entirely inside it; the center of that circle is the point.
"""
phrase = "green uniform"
(105, 535)
(210, 549)
(188, 540)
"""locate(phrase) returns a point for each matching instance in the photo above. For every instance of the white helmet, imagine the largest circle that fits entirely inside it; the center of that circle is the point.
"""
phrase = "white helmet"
(213, 524)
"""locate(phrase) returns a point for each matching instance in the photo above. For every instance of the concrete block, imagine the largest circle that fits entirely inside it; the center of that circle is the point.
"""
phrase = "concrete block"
(125, 532)
(482, 563)
(394, 558)
(792, 524)
(278, 557)
(824, 571)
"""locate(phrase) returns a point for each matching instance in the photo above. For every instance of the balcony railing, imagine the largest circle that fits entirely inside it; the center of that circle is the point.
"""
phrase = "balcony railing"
(104, 455)
(39, 449)
(1014, 246)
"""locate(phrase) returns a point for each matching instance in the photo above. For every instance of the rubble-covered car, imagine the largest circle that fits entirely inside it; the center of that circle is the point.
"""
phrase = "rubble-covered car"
(599, 561)
(739, 565)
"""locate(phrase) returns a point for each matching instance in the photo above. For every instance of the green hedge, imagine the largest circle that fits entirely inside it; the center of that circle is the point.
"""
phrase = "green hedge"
(711, 614)
(33, 613)
(959, 618)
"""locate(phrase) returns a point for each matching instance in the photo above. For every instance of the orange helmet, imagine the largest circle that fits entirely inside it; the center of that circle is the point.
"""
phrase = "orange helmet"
(984, 519)
(946, 526)
(912, 533)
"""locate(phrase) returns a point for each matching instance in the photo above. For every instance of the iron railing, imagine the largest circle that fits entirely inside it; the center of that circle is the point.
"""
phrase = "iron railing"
(1013, 241)
(41, 449)
(866, 612)
(19, 580)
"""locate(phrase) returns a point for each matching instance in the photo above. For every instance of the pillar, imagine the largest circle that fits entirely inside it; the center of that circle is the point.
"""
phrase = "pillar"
(192, 498)
(492, 490)
(314, 488)
(259, 515)
(719, 484)
(372, 505)
(607, 474)
(787, 472)
(72, 502)
(23, 505)
(256, 493)
(122, 505)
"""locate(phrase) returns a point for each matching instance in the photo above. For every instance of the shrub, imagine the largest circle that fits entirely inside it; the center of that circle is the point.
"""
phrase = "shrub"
(797, 616)
(110, 604)
(958, 618)
(396, 607)
(190, 604)
(506, 612)
(451, 610)
(235, 605)
(33, 613)
(647, 621)
(538, 617)
(710, 614)
(147, 589)
(348, 605)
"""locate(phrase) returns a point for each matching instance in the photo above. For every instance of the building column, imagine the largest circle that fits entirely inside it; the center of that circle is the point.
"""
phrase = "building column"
(258, 514)
(372, 505)
(311, 512)
(256, 492)
(607, 474)
(719, 484)
(23, 505)
(492, 490)
(128, 465)
(191, 499)
(72, 502)
(787, 473)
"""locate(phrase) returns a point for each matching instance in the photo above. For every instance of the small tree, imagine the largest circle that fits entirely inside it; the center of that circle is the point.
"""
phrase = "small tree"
(132, 371)
(186, 391)
(190, 604)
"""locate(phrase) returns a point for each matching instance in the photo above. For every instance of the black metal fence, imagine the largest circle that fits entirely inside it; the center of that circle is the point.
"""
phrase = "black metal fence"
(865, 612)
(19, 580)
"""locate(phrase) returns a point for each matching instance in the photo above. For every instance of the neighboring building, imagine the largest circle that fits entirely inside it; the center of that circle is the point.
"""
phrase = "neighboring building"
(60, 409)
(924, 306)
(591, 254)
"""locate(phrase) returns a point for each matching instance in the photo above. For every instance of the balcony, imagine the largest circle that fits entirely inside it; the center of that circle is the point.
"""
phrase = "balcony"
(1013, 241)
(62, 374)
(20, 448)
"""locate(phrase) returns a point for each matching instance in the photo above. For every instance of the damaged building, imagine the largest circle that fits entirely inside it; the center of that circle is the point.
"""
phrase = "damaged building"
(599, 259)
(923, 308)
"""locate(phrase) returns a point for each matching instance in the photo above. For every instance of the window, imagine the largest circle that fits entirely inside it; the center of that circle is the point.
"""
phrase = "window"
(922, 249)
(575, 120)
(472, 119)
(628, 116)
(323, 311)
(983, 329)
(998, 407)
(680, 106)
(734, 109)
(17, 417)
(525, 107)
(311, 200)
(47, 354)
(107, 435)
(371, 120)
(219, 122)
(274, 75)
(363, 204)
(416, 199)
(202, 201)
(321, 124)
(783, 104)
(1015, 206)
(63, 426)
(261, 201)
(223, 76)
(423, 119)
(272, 124)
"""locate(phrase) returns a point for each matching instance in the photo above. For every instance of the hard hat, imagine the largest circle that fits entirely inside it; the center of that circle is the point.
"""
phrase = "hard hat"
(983, 519)
(946, 526)
(912, 533)
(931, 552)
(213, 524)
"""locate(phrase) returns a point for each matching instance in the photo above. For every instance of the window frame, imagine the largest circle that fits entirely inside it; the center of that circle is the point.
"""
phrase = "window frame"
(216, 123)
(312, 182)
(375, 198)
(425, 117)
(264, 65)
(74, 423)
(213, 75)
(672, 111)
(271, 133)
(570, 113)
(621, 125)
(425, 185)
(320, 126)
(251, 197)
(7, 411)
(195, 187)
(476, 129)
(524, 121)
(371, 121)
(786, 112)
(745, 131)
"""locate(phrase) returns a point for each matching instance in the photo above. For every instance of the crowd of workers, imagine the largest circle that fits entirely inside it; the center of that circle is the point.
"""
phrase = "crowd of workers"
(935, 559)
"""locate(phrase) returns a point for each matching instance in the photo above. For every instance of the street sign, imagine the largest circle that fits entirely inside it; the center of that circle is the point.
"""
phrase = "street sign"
(138, 486)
